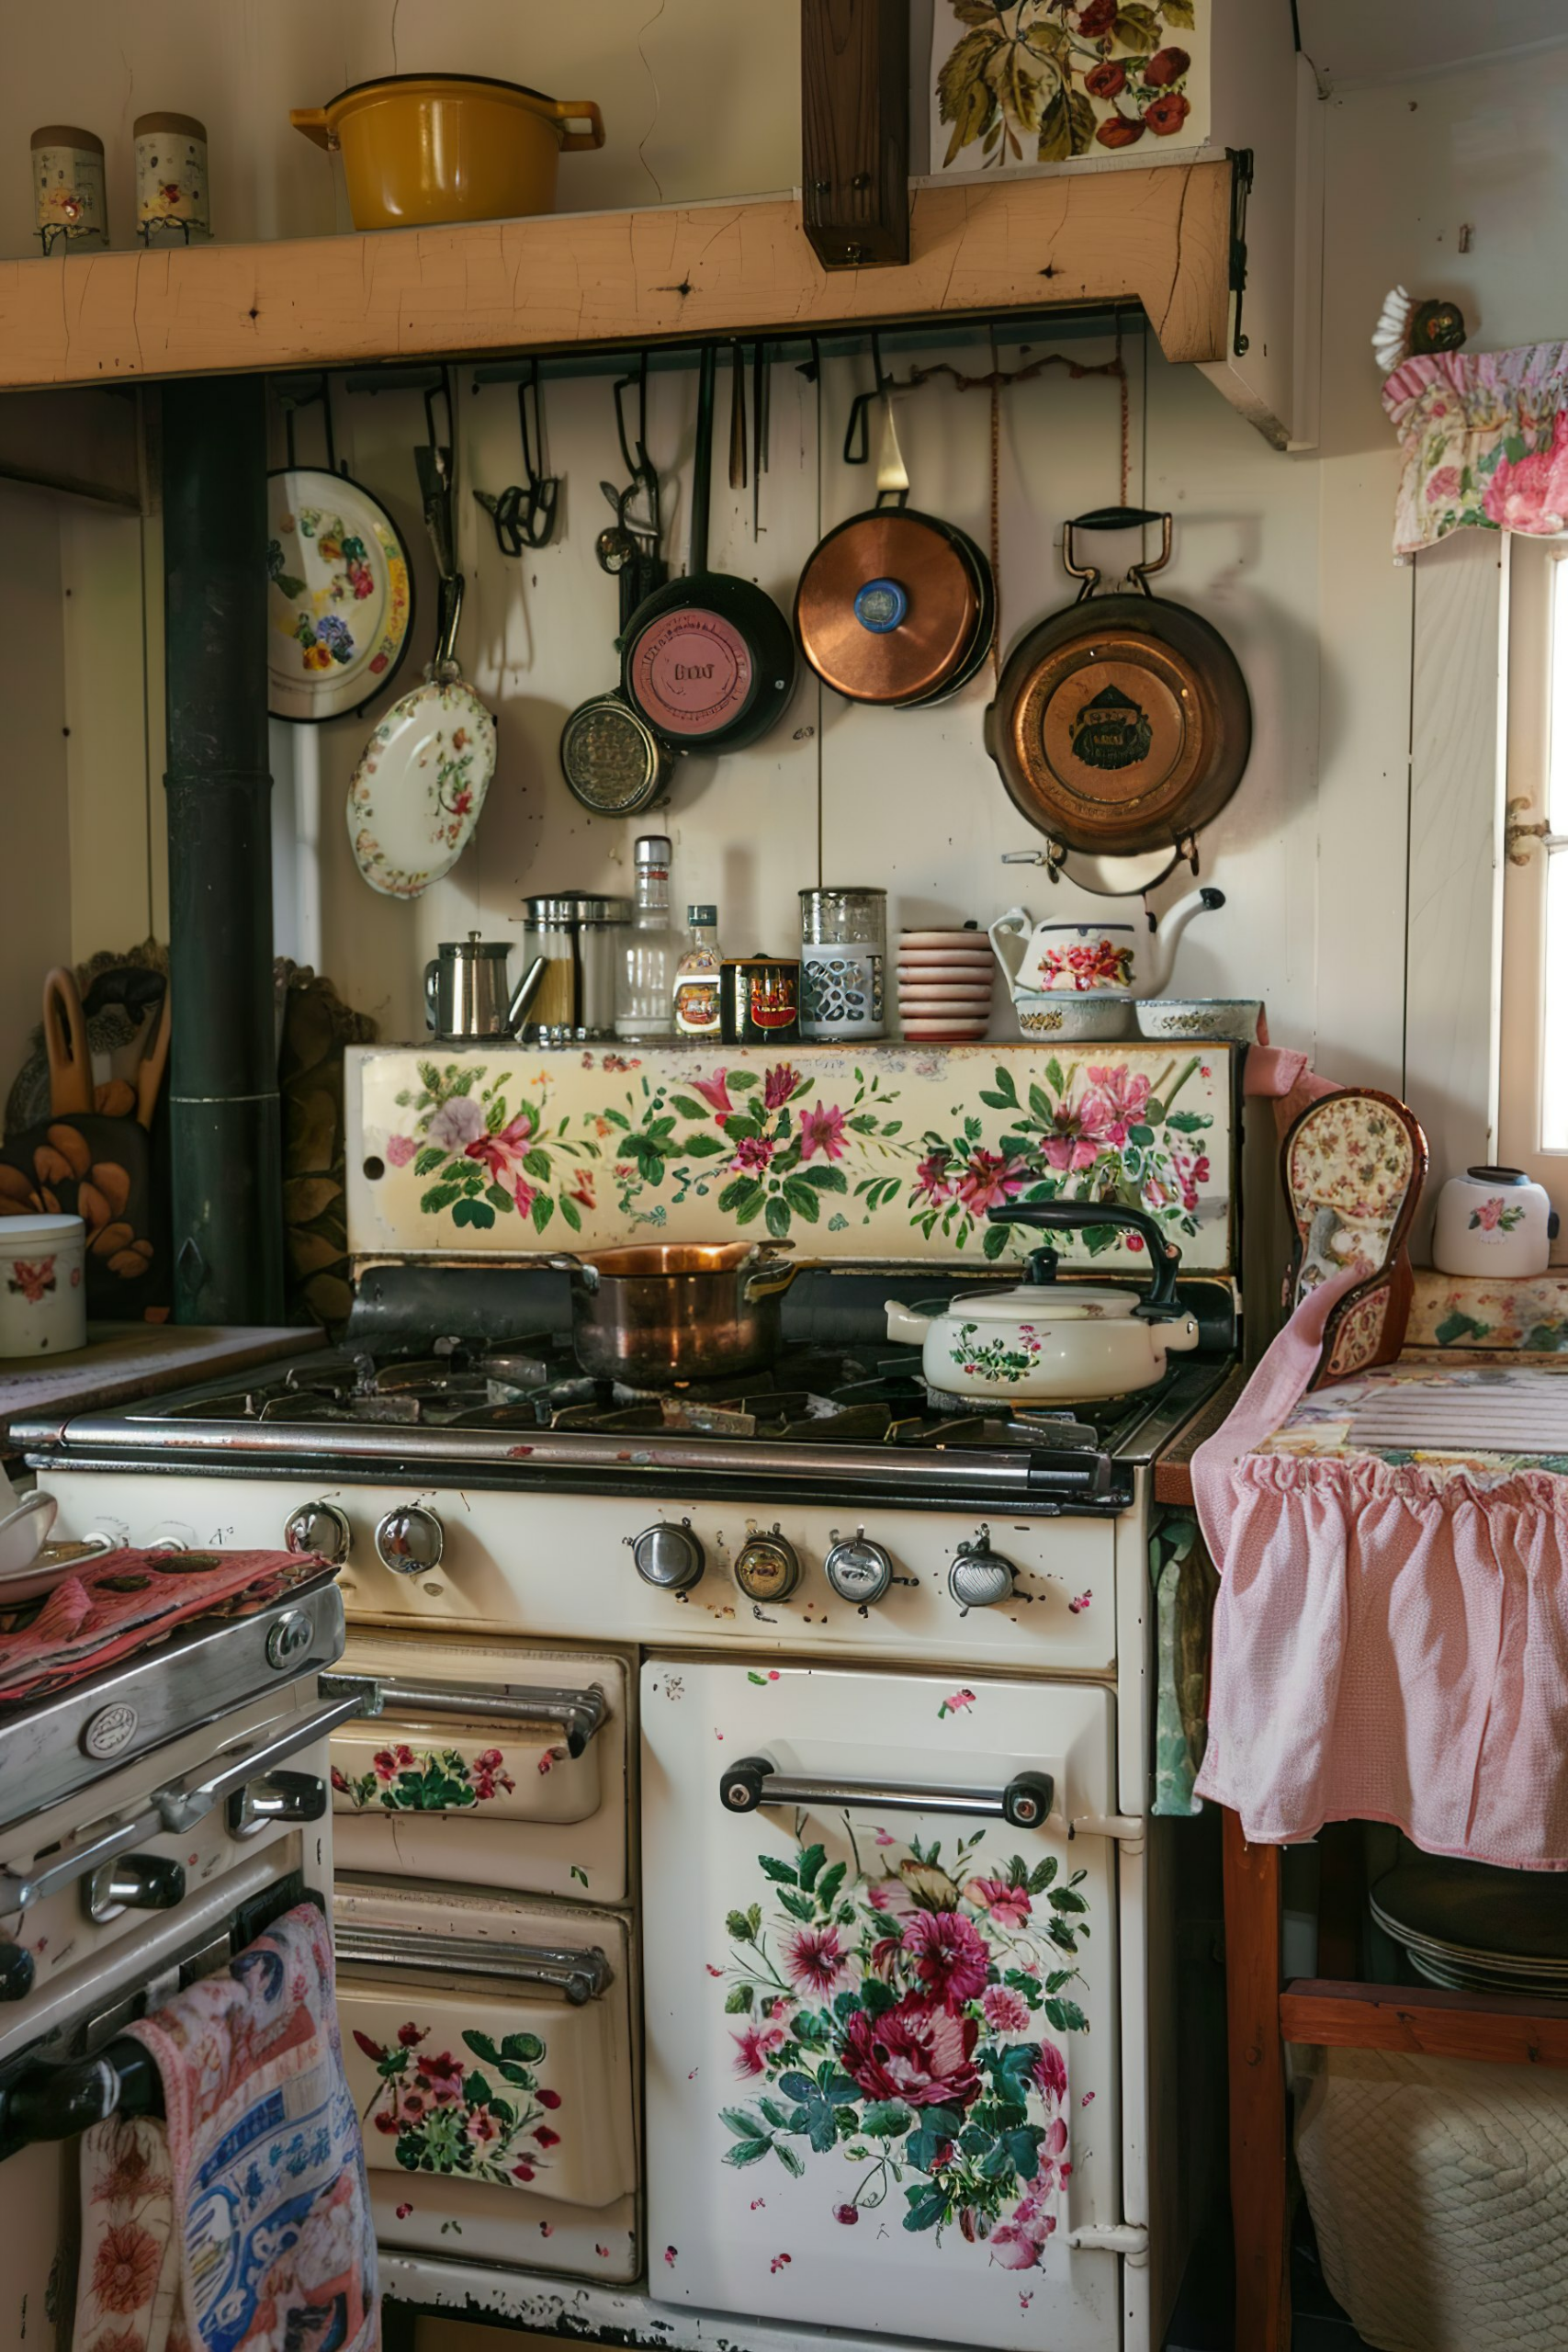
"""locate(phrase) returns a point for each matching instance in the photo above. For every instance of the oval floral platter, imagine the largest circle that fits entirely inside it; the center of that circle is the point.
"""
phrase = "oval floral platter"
(415, 797)
(340, 595)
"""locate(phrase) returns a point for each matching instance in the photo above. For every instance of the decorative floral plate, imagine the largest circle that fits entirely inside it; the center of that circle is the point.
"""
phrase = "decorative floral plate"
(340, 598)
(415, 797)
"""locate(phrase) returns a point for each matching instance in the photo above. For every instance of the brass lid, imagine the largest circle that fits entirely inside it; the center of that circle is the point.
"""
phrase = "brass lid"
(64, 134)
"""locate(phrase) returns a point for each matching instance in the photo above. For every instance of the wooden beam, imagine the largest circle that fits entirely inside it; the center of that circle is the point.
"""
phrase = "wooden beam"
(1155, 237)
(1497, 2027)
(1257, 2070)
(854, 116)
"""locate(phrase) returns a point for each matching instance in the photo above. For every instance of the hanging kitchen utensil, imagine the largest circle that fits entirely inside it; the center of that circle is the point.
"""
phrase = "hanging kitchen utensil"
(340, 592)
(737, 417)
(709, 661)
(417, 793)
(524, 513)
(894, 607)
(1121, 724)
(612, 760)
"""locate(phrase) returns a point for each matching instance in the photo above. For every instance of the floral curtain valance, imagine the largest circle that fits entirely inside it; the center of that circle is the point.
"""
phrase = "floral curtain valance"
(1486, 440)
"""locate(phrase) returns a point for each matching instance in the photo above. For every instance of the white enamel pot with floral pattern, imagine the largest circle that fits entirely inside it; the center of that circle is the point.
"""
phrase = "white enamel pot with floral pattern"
(1049, 1342)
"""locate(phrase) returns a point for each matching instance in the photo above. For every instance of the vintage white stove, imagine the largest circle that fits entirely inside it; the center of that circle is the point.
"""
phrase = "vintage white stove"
(750, 1916)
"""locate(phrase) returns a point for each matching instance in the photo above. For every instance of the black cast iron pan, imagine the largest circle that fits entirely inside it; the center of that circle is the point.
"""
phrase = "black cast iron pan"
(708, 661)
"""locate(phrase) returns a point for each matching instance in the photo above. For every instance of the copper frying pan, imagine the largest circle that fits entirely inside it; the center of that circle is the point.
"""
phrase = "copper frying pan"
(894, 607)
(1122, 723)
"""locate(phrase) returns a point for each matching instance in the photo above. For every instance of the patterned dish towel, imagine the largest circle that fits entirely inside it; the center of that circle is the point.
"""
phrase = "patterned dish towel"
(254, 2195)
(1388, 1646)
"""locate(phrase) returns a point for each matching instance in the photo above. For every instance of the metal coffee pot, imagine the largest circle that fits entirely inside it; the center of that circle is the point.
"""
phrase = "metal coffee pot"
(465, 990)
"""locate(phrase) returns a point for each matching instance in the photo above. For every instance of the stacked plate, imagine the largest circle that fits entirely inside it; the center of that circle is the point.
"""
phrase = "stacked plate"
(944, 985)
(1475, 1928)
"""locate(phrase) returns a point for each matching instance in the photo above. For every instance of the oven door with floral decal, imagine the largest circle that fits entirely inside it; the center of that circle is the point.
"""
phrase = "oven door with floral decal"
(489, 2045)
(881, 2006)
(492, 1762)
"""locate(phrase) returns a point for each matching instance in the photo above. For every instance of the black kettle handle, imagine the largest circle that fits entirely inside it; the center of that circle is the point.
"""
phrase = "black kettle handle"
(1115, 518)
(1160, 1304)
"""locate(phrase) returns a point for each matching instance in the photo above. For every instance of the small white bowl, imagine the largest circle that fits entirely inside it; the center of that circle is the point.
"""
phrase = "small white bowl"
(1077, 1020)
(1210, 1019)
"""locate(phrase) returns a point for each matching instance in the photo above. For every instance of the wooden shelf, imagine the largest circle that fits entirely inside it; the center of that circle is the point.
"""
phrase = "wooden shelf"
(1156, 237)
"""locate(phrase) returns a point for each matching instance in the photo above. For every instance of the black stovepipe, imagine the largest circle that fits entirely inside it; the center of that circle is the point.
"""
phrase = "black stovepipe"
(225, 1144)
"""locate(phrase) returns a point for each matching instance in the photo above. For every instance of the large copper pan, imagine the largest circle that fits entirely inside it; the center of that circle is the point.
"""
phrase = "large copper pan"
(1122, 723)
(894, 607)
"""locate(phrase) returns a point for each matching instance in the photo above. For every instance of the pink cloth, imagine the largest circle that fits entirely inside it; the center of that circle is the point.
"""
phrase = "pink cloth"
(130, 1601)
(270, 2203)
(1384, 1649)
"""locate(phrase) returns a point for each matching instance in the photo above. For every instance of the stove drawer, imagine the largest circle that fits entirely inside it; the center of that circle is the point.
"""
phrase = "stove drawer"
(492, 1764)
(488, 2047)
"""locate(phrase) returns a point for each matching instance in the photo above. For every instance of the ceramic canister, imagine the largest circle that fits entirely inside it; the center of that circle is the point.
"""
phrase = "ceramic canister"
(171, 205)
(1492, 1221)
(759, 1000)
(68, 190)
(43, 1299)
(843, 954)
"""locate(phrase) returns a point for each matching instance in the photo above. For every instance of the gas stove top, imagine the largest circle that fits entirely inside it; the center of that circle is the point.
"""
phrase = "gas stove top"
(520, 1411)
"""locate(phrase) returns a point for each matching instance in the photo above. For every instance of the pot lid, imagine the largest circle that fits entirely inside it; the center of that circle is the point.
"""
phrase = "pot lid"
(1046, 1303)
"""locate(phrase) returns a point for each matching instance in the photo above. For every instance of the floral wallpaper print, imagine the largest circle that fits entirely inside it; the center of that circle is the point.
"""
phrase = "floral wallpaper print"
(444, 2114)
(1017, 81)
(1484, 437)
(401, 1780)
(901, 1153)
(898, 2021)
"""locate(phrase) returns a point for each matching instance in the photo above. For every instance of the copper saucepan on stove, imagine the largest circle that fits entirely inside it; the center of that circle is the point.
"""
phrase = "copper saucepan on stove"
(894, 607)
(656, 1313)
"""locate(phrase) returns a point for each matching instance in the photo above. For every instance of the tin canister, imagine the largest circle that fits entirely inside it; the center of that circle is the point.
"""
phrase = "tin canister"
(68, 190)
(759, 1000)
(171, 205)
(843, 950)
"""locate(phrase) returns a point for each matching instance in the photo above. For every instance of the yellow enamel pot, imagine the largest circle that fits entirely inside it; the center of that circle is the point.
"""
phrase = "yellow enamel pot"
(427, 147)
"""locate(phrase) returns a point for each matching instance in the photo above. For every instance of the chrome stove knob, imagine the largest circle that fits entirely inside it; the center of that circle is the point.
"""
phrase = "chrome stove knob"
(979, 1578)
(858, 1570)
(671, 1557)
(410, 1539)
(767, 1567)
(318, 1527)
(135, 1882)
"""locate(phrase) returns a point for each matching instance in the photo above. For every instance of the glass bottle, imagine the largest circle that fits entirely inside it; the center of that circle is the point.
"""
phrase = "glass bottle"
(650, 952)
(697, 976)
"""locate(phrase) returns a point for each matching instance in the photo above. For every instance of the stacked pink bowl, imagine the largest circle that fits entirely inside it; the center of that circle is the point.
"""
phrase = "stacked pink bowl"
(944, 985)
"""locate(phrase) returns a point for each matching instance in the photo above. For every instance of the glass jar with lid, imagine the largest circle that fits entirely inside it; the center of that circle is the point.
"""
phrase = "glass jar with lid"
(576, 932)
(843, 958)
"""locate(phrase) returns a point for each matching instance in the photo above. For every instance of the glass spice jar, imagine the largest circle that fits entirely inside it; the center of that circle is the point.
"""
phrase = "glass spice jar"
(843, 957)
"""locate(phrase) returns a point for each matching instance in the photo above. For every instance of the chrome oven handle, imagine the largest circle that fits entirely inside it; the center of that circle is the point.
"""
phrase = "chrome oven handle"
(578, 1715)
(181, 1805)
(580, 1976)
(1026, 1801)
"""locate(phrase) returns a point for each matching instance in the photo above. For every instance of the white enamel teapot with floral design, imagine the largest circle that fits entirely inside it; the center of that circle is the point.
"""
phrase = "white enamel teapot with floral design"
(1103, 959)
(1049, 1342)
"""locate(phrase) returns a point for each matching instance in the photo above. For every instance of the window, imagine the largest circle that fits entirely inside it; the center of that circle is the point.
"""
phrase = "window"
(1533, 1062)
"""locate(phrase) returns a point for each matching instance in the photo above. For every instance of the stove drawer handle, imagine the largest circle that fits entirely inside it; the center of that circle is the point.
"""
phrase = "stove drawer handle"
(1025, 1803)
(180, 1807)
(577, 1714)
(580, 1976)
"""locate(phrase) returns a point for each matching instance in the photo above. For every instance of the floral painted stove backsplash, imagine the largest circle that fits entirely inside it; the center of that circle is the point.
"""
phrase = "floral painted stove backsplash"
(888, 1153)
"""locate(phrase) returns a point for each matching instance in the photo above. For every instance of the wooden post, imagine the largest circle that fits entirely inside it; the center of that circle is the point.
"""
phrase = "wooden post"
(1257, 2091)
(854, 110)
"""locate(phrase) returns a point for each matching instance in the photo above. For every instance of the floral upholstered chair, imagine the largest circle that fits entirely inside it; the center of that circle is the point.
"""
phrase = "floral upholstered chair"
(1353, 1166)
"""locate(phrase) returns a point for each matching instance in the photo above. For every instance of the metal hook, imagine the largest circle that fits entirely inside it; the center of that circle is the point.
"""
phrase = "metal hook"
(525, 513)
(857, 434)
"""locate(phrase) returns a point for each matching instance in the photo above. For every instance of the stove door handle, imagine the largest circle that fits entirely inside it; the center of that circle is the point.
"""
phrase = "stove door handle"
(1025, 1803)
(577, 1714)
(180, 1807)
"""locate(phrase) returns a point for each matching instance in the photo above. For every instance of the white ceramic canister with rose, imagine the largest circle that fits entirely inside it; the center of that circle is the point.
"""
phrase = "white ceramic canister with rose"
(43, 1297)
(1493, 1221)
(172, 204)
(68, 207)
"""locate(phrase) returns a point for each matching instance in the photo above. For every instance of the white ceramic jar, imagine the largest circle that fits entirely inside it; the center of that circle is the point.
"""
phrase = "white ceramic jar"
(1493, 1221)
(43, 1293)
